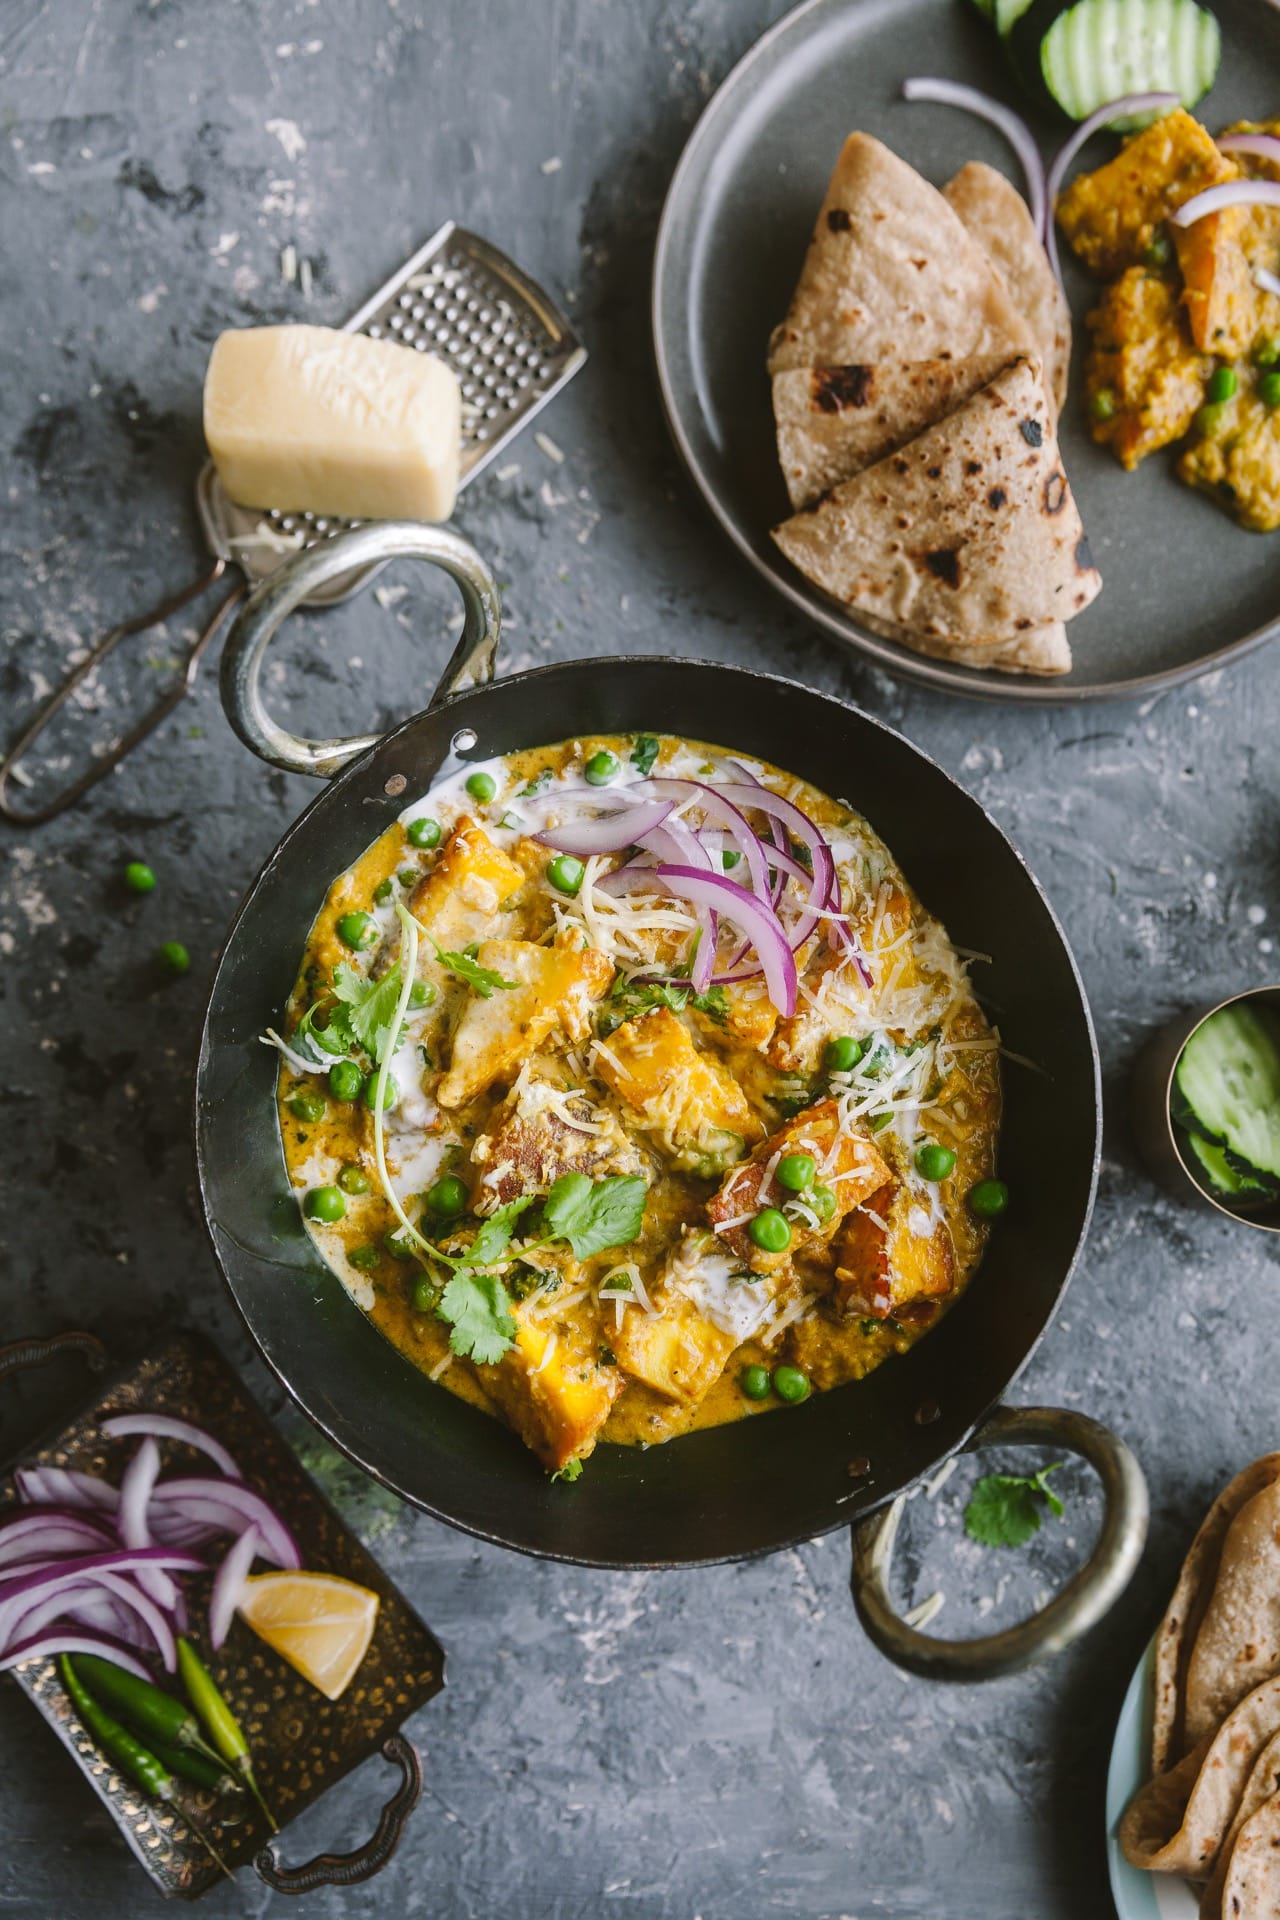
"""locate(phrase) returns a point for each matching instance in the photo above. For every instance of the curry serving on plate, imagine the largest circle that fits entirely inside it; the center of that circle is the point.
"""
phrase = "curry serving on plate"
(629, 1088)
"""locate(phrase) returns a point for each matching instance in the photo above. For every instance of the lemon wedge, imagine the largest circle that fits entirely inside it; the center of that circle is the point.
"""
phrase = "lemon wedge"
(320, 1624)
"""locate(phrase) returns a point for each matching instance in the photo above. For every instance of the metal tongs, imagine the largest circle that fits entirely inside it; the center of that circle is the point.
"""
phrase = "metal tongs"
(512, 350)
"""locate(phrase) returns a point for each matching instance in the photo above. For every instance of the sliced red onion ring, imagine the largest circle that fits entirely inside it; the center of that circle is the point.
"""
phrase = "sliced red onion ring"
(1117, 109)
(50, 1532)
(824, 886)
(609, 833)
(106, 1601)
(162, 1426)
(633, 878)
(61, 1487)
(101, 1614)
(40, 1580)
(1228, 193)
(45, 1645)
(229, 1585)
(950, 93)
(1264, 145)
(752, 917)
(230, 1504)
(135, 1495)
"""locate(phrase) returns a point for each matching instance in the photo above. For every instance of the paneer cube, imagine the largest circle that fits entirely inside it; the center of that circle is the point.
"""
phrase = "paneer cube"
(459, 901)
(542, 1130)
(689, 1102)
(847, 1165)
(893, 1253)
(1112, 216)
(553, 1387)
(706, 1303)
(749, 1018)
(548, 987)
(1143, 360)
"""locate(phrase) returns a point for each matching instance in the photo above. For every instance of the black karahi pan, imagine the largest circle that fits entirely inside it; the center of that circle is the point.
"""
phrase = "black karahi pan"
(756, 1485)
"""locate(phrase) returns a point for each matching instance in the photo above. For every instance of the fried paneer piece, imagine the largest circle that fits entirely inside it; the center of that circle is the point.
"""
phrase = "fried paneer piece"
(556, 1397)
(693, 1107)
(548, 987)
(1239, 463)
(542, 1130)
(706, 1304)
(892, 1253)
(749, 1018)
(1112, 217)
(1144, 377)
(459, 901)
(848, 1166)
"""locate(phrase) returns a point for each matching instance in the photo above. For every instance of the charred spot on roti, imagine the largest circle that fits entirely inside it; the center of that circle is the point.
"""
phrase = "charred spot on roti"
(973, 466)
(838, 220)
(1032, 432)
(944, 564)
(835, 388)
(1055, 493)
(996, 498)
(935, 473)
(1022, 625)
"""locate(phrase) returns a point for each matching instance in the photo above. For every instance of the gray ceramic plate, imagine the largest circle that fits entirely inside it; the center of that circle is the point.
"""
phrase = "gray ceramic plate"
(1185, 588)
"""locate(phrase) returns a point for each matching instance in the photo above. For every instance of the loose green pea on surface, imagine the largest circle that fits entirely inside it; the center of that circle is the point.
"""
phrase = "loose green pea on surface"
(345, 1081)
(325, 1204)
(791, 1385)
(426, 832)
(934, 1162)
(359, 931)
(138, 877)
(425, 1295)
(755, 1382)
(173, 957)
(481, 786)
(771, 1230)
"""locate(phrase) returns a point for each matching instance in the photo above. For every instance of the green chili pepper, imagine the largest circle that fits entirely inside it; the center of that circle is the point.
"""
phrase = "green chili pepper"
(149, 1709)
(220, 1723)
(190, 1765)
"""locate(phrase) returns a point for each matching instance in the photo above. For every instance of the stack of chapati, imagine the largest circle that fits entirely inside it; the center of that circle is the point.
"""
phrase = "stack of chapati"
(1211, 1811)
(916, 385)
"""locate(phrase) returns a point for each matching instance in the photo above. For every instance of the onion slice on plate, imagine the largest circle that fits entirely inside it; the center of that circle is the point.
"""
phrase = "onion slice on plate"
(752, 917)
(1228, 193)
(229, 1585)
(951, 93)
(45, 1645)
(1118, 109)
(1265, 146)
(162, 1426)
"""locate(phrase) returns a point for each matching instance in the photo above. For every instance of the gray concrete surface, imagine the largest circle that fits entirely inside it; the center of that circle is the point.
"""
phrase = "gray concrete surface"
(660, 1745)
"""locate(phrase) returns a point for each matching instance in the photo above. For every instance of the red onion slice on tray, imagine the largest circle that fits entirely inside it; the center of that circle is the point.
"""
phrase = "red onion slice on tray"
(229, 1585)
(951, 93)
(50, 1532)
(62, 1487)
(107, 1602)
(1118, 109)
(1228, 193)
(1265, 146)
(136, 1487)
(162, 1426)
(45, 1645)
(750, 916)
(232, 1506)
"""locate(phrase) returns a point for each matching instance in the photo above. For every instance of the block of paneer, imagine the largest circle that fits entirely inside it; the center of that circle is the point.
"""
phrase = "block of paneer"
(553, 1386)
(747, 1017)
(1144, 376)
(1114, 216)
(543, 988)
(706, 1303)
(847, 1165)
(893, 1253)
(691, 1104)
(544, 1129)
(460, 900)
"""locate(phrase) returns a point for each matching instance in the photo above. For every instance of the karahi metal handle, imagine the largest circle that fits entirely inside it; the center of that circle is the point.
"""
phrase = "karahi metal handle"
(1087, 1596)
(349, 1869)
(260, 618)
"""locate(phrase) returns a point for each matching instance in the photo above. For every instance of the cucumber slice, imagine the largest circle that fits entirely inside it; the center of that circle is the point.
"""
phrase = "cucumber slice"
(1227, 1086)
(1007, 14)
(1099, 49)
(1220, 1176)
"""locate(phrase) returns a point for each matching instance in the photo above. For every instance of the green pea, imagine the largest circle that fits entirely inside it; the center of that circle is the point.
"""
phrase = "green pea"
(1208, 420)
(448, 1197)
(755, 1383)
(1158, 251)
(353, 1180)
(989, 1199)
(1267, 353)
(1102, 404)
(565, 873)
(307, 1106)
(934, 1162)
(424, 832)
(425, 1295)
(382, 892)
(791, 1385)
(823, 1202)
(398, 1249)
(358, 931)
(481, 786)
(138, 877)
(1269, 389)
(728, 859)
(422, 994)
(173, 957)
(1223, 382)
(345, 1080)
(843, 1053)
(391, 1092)
(408, 878)
(364, 1259)
(324, 1203)
(795, 1171)
(771, 1230)
(602, 767)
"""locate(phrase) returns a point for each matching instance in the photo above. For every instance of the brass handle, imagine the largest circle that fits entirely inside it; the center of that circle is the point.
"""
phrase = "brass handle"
(1088, 1595)
(347, 1869)
(19, 1356)
(270, 603)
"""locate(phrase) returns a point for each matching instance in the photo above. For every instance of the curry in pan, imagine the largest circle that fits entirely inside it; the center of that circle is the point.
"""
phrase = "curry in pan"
(629, 1088)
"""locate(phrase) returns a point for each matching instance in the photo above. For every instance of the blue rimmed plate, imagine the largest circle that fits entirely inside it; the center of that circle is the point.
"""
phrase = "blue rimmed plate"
(1138, 1896)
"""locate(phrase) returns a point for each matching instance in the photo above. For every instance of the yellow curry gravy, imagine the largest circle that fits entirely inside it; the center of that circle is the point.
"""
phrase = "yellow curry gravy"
(576, 1070)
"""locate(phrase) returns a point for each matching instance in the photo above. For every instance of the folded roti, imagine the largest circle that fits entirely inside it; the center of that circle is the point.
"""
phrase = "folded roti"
(1178, 1822)
(834, 421)
(1186, 1609)
(892, 272)
(1238, 1643)
(998, 218)
(1251, 1887)
(1042, 650)
(1262, 1785)
(967, 534)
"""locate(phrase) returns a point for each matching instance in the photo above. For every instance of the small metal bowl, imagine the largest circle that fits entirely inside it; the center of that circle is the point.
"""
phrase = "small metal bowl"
(1161, 1142)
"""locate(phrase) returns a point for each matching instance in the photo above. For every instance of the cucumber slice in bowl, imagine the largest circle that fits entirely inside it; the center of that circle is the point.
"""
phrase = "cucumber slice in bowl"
(1084, 55)
(1220, 1177)
(1226, 1088)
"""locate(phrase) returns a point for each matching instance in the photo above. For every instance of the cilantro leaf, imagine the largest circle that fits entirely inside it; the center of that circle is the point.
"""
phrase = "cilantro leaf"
(478, 1308)
(644, 752)
(594, 1214)
(570, 1471)
(370, 1007)
(323, 1044)
(1004, 1509)
(485, 981)
(628, 1002)
(539, 784)
(495, 1233)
